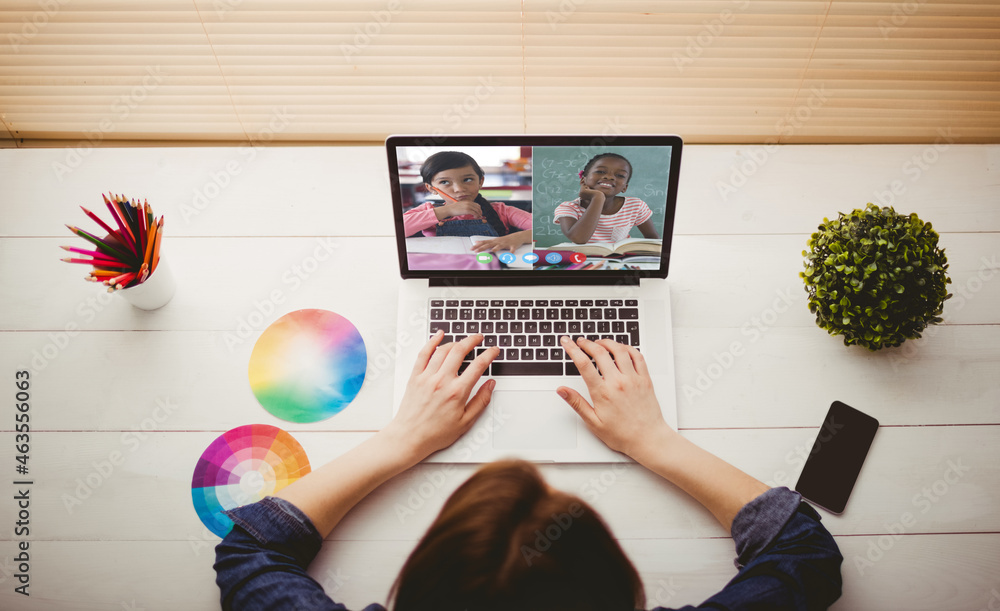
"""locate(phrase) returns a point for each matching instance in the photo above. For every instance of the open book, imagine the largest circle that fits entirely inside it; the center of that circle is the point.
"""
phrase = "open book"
(628, 245)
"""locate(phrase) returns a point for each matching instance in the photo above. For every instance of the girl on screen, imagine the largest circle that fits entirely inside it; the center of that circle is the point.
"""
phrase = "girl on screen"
(600, 214)
(457, 178)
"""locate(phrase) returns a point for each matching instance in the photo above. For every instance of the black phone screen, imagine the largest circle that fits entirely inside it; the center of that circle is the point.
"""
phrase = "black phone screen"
(834, 463)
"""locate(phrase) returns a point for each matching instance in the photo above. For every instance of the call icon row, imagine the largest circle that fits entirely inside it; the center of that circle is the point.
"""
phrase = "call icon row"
(508, 258)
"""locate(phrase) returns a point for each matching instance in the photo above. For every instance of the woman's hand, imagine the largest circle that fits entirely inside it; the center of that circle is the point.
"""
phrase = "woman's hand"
(625, 414)
(436, 410)
(509, 242)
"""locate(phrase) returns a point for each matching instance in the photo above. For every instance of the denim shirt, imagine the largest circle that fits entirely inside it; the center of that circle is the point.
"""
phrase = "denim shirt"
(786, 559)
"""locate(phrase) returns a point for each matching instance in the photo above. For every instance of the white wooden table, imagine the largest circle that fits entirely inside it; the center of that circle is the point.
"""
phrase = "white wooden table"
(123, 401)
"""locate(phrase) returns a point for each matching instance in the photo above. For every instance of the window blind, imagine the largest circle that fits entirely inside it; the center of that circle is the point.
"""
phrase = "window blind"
(790, 71)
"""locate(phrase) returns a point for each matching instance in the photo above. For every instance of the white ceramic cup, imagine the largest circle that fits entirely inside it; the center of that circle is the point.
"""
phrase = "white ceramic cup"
(155, 292)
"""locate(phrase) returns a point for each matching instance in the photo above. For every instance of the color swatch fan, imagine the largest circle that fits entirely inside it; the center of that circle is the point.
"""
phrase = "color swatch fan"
(308, 365)
(243, 466)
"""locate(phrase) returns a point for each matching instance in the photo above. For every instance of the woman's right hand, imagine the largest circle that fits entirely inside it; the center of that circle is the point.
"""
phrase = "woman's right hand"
(458, 209)
(625, 415)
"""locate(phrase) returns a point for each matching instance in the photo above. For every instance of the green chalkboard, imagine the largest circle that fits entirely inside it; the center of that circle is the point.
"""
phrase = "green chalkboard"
(555, 179)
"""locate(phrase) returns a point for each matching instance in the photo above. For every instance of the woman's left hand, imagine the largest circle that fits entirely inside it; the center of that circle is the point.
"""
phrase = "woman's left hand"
(509, 242)
(436, 409)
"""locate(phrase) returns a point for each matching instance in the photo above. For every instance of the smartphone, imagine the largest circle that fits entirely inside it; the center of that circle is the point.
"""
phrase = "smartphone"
(834, 463)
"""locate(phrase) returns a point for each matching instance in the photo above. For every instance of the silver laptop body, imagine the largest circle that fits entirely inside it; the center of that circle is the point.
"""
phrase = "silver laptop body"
(625, 296)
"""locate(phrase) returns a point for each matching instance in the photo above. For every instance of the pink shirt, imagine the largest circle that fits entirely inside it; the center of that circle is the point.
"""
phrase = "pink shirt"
(422, 218)
(610, 227)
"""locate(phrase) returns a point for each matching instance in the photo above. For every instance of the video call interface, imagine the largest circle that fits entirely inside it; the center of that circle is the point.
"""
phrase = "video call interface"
(481, 208)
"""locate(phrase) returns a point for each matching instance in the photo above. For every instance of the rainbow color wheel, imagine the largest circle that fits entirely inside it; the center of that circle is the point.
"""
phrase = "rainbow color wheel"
(243, 466)
(308, 365)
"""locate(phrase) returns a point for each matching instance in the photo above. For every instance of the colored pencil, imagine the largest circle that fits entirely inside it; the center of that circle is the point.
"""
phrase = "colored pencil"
(98, 220)
(122, 218)
(98, 262)
(140, 210)
(129, 209)
(134, 224)
(126, 256)
(156, 247)
(116, 217)
(136, 229)
(148, 255)
(99, 257)
(100, 244)
(443, 194)
(104, 257)
(144, 219)
(122, 279)
(130, 223)
(83, 251)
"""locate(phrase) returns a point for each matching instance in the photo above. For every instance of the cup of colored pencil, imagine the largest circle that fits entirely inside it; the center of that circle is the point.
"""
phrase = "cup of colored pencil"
(127, 258)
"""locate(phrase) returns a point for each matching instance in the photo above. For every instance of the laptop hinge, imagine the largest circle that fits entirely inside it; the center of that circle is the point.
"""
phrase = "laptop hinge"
(528, 281)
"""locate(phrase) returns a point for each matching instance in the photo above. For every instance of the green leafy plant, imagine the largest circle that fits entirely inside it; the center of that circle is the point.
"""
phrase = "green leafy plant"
(876, 277)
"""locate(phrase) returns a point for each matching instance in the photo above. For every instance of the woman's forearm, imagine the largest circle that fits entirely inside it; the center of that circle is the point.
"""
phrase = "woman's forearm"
(719, 486)
(327, 494)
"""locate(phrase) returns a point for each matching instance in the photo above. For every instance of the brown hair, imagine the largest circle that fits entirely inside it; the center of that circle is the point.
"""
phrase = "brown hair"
(505, 540)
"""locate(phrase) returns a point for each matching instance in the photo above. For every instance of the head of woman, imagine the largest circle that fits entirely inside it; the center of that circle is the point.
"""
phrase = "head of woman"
(454, 173)
(506, 540)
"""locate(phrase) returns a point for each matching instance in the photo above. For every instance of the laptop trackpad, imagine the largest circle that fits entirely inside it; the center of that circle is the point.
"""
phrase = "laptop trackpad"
(528, 420)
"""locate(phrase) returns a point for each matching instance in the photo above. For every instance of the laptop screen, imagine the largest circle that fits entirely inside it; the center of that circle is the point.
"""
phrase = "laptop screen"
(556, 205)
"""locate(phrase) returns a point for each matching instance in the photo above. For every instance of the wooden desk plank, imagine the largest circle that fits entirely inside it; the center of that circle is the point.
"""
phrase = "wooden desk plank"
(746, 189)
(753, 281)
(788, 377)
(108, 380)
(177, 381)
(111, 486)
(716, 281)
(237, 286)
(950, 571)
(724, 189)
(953, 572)
(205, 191)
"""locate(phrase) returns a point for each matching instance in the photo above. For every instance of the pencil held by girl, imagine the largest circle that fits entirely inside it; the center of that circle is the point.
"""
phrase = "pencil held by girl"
(601, 213)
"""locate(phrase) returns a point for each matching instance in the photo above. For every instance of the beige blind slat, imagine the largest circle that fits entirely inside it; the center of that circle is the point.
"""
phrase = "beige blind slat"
(322, 70)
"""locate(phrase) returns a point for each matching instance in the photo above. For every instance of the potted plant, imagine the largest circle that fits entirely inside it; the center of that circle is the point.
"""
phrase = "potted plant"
(876, 277)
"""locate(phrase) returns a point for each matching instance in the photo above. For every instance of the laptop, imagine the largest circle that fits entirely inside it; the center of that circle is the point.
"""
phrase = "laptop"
(551, 270)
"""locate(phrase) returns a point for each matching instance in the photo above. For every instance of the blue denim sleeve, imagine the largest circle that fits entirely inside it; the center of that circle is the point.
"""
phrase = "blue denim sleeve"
(786, 559)
(261, 564)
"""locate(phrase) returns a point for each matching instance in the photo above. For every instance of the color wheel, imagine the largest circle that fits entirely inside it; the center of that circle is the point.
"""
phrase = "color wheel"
(308, 365)
(243, 466)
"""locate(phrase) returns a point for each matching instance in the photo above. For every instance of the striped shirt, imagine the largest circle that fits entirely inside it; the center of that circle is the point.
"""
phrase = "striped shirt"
(610, 227)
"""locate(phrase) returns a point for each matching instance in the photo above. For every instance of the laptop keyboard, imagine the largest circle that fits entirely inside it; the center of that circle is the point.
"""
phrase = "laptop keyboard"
(527, 331)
